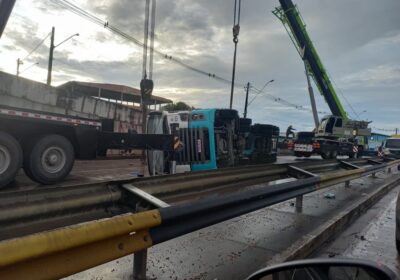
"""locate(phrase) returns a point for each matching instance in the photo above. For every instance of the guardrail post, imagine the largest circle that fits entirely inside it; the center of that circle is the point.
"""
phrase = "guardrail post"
(299, 204)
(389, 170)
(173, 167)
(140, 265)
(347, 184)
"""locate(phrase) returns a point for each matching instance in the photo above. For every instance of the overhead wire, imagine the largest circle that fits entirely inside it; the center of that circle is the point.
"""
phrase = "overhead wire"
(36, 47)
(344, 97)
(105, 24)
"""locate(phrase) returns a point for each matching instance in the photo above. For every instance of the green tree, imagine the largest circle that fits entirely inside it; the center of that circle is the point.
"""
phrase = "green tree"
(178, 106)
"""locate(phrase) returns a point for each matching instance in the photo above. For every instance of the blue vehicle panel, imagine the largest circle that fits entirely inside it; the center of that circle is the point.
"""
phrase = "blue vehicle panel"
(204, 118)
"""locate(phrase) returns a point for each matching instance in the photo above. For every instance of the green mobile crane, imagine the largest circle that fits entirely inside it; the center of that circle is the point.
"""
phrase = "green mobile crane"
(335, 134)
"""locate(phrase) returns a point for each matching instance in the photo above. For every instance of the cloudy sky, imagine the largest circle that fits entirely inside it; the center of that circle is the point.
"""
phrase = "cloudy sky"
(357, 40)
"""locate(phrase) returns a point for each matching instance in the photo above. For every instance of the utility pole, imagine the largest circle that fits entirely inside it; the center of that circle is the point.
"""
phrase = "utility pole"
(19, 62)
(50, 57)
(247, 100)
(312, 98)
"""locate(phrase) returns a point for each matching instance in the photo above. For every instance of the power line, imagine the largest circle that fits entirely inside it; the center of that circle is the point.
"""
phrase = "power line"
(344, 97)
(285, 102)
(94, 19)
(37, 46)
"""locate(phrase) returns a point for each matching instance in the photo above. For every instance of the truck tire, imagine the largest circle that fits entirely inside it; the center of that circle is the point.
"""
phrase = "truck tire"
(10, 158)
(263, 129)
(244, 125)
(298, 154)
(48, 159)
(333, 154)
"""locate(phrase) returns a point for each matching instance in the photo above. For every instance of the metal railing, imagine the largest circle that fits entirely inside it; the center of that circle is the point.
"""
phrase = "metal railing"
(67, 250)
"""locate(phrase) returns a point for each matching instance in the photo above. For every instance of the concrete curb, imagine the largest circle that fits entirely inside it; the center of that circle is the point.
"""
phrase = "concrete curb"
(312, 241)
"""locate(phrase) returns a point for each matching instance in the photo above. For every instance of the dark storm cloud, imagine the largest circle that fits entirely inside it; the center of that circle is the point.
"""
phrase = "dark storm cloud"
(341, 30)
(20, 36)
(356, 41)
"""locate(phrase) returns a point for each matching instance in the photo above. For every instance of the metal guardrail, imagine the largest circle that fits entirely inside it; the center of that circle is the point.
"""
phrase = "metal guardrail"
(68, 250)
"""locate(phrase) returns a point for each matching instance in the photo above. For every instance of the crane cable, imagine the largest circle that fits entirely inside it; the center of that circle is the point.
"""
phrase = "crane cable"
(235, 31)
(105, 24)
(152, 27)
(145, 39)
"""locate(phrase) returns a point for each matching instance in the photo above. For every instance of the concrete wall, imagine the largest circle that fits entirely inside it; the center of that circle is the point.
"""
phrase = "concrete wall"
(22, 93)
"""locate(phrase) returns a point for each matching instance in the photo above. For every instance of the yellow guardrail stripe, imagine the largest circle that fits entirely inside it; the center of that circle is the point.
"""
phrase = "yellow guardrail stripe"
(341, 174)
(74, 260)
(49, 242)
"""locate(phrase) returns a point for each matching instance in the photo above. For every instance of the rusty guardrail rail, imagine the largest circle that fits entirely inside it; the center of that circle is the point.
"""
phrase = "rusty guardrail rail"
(64, 251)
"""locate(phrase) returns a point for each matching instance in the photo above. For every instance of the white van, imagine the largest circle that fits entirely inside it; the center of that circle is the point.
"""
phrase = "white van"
(391, 147)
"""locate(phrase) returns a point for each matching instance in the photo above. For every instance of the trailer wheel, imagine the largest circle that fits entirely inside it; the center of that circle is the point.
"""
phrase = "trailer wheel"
(49, 159)
(10, 158)
(297, 154)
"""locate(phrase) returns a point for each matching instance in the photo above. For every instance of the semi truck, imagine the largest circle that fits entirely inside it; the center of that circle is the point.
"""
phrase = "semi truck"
(43, 129)
(335, 134)
(211, 139)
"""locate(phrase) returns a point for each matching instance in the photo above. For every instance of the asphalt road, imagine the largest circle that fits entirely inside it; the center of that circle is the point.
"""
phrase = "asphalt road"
(88, 171)
(371, 237)
(100, 170)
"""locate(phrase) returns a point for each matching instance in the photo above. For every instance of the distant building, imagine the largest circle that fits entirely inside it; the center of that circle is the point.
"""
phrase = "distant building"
(121, 95)
(376, 140)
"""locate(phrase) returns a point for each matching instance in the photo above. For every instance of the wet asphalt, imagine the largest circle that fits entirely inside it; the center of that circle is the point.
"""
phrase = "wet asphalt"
(370, 237)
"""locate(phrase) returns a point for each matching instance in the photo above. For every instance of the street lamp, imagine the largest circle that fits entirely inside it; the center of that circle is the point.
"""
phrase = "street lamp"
(246, 104)
(362, 113)
(30, 66)
(52, 47)
(19, 63)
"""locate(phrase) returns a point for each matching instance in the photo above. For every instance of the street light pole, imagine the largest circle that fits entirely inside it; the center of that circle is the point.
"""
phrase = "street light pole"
(50, 67)
(19, 62)
(52, 47)
(247, 100)
(29, 67)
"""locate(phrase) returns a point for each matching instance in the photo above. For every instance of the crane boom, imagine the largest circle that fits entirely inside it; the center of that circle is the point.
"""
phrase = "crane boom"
(294, 25)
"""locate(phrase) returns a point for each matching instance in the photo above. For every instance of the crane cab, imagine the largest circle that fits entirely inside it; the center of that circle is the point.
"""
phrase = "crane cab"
(334, 126)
